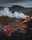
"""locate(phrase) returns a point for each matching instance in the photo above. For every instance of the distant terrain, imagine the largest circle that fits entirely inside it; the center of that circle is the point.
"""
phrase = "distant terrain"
(27, 11)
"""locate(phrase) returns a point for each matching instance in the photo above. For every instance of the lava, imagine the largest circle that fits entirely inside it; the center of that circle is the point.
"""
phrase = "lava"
(19, 25)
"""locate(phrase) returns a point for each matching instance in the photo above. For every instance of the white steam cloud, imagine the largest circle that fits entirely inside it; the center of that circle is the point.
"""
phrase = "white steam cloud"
(6, 12)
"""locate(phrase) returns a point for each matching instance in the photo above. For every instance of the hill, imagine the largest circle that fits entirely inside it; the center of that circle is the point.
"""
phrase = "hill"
(27, 11)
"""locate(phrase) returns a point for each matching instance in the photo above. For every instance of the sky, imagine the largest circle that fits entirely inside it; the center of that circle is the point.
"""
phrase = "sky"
(9, 3)
(13, 1)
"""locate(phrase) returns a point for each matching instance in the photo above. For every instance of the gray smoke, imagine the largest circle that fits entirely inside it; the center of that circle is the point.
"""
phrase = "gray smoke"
(6, 12)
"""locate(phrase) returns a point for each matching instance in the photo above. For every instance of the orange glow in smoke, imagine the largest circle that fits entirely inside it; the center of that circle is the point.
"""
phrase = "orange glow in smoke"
(27, 19)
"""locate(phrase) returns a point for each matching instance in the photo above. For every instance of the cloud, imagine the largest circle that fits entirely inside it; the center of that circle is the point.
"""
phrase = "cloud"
(6, 12)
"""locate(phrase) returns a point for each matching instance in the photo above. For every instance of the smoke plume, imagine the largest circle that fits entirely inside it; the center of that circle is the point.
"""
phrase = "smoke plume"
(6, 12)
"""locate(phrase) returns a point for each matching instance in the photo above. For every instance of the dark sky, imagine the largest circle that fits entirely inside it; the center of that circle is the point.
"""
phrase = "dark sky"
(12, 1)
(9, 3)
